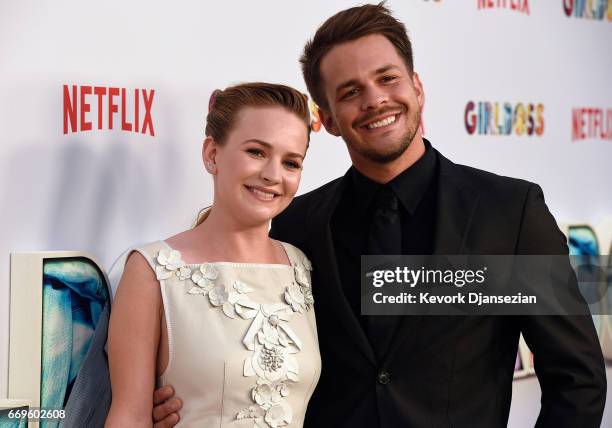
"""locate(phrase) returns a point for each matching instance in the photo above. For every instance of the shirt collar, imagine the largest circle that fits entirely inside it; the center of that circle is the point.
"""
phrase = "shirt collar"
(409, 186)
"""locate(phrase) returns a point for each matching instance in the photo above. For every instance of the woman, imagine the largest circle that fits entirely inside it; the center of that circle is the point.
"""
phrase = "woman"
(222, 312)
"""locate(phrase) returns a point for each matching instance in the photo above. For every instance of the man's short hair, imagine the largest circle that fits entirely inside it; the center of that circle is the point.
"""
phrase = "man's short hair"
(347, 25)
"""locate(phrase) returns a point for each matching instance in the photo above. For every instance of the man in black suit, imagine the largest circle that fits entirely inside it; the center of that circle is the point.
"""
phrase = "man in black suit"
(419, 371)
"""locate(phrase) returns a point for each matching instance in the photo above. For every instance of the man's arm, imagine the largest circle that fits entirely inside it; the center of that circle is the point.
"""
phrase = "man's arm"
(567, 355)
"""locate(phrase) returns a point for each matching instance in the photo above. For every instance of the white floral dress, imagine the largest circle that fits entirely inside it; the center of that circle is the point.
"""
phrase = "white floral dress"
(243, 347)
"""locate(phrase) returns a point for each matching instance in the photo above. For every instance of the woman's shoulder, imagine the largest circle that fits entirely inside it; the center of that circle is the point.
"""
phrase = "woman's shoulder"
(148, 252)
(136, 262)
(296, 256)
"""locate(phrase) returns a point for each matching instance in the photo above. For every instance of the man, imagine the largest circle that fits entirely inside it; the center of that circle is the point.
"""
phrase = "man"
(418, 371)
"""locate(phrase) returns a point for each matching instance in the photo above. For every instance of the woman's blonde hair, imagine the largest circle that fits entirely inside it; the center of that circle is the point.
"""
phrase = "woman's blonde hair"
(224, 106)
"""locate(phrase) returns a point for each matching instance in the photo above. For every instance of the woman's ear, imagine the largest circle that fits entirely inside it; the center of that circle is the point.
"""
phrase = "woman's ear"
(209, 152)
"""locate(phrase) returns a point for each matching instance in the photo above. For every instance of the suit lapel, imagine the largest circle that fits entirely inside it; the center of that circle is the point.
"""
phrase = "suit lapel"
(455, 207)
(457, 202)
(327, 285)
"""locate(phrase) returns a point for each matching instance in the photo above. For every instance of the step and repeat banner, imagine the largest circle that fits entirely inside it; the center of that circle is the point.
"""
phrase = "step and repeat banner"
(102, 111)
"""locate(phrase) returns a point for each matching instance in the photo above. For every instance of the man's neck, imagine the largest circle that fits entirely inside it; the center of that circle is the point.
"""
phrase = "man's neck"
(385, 172)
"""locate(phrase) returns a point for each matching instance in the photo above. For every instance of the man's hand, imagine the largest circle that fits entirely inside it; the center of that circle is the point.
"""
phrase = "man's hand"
(165, 408)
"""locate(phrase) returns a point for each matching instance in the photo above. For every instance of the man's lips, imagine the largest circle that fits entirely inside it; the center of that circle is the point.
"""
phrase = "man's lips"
(389, 115)
(381, 123)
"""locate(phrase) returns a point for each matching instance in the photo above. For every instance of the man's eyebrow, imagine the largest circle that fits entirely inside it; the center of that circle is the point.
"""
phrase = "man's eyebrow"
(354, 82)
(347, 84)
(269, 146)
(385, 68)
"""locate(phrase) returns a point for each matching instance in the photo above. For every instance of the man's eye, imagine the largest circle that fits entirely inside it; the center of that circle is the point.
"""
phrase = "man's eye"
(350, 93)
(255, 152)
(389, 78)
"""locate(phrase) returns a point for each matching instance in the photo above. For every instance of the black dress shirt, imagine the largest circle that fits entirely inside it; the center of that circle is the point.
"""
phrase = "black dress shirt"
(415, 188)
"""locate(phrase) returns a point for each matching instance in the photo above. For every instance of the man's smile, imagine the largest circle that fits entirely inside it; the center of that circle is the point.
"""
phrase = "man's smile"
(385, 121)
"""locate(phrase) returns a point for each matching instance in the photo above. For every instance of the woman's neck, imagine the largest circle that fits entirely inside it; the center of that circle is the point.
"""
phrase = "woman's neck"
(224, 238)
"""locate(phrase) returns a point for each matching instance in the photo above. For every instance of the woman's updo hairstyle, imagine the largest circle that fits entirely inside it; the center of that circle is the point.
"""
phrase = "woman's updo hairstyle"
(224, 106)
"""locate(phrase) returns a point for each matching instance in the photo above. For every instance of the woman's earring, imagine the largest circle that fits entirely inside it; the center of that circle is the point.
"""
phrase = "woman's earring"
(210, 167)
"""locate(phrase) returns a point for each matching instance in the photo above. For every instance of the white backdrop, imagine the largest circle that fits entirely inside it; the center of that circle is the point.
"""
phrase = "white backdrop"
(103, 190)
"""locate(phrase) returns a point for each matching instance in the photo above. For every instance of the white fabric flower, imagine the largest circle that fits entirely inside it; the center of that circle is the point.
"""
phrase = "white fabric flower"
(170, 259)
(229, 310)
(242, 288)
(301, 276)
(308, 299)
(183, 273)
(265, 394)
(197, 290)
(218, 295)
(168, 262)
(269, 364)
(205, 276)
(295, 297)
(249, 412)
(283, 389)
(278, 415)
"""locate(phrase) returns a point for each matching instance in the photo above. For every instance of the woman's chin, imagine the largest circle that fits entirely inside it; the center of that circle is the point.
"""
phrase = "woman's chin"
(255, 216)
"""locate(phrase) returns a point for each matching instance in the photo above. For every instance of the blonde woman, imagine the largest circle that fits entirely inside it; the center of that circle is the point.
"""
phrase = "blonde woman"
(222, 312)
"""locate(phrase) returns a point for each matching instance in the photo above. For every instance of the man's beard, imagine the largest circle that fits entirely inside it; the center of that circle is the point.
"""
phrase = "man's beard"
(404, 143)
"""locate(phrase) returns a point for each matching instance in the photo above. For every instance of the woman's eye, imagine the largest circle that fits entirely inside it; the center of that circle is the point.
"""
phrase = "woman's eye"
(256, 152)
(292, 165)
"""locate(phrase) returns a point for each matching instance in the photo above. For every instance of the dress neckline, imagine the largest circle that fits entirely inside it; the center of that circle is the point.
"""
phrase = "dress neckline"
(243, 264)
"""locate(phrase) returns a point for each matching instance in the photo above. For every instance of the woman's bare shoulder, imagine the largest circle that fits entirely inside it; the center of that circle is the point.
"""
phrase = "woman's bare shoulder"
(138, 280)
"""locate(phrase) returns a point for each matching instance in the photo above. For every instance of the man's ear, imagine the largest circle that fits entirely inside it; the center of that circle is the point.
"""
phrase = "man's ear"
(209, 152)
(418, 89)
(328, 122)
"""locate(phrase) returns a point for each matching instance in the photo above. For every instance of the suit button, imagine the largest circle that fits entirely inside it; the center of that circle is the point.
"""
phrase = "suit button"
(384, 378)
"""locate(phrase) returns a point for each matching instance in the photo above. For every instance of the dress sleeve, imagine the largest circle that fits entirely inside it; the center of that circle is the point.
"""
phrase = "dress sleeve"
(116, 271)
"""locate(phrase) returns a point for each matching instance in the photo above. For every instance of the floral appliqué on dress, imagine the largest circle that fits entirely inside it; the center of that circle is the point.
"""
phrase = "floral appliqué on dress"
(272, 342)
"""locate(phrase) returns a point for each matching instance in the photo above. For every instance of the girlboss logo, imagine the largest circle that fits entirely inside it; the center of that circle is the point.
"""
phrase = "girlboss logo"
(588, 9)
(494, 118)
(112, 104)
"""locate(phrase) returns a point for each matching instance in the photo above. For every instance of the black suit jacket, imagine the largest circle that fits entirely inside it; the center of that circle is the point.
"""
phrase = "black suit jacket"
(447, 371)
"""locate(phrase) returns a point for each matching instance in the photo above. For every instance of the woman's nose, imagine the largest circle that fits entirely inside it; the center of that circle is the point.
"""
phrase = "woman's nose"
(271, 171)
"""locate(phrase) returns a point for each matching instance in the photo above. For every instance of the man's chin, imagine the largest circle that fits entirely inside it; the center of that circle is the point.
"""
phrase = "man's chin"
(388, 156)
(380, 158)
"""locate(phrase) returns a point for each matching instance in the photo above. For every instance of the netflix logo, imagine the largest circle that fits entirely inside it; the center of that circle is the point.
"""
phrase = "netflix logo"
(516, 5)
(589, 123)
(116, 108)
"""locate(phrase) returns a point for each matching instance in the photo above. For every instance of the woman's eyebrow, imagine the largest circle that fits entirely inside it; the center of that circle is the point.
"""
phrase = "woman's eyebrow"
(270, 146)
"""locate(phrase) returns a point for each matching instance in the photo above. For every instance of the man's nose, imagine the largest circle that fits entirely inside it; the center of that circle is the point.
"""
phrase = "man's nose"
(373, 97)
